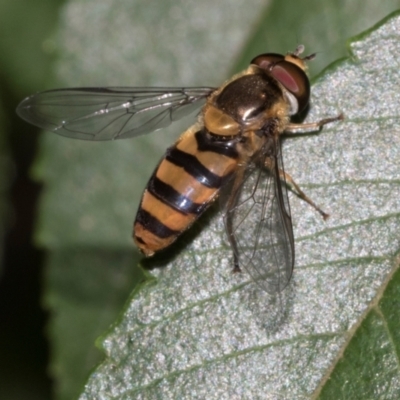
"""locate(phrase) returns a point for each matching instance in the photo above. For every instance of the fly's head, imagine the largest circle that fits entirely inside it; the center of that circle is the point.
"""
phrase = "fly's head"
(290, 71)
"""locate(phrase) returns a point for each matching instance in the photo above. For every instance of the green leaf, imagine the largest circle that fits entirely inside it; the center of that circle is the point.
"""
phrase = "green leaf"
(323, 26)
(92, 191)
(27, 48)
(86, 289)
(369, 366)
(202, 332)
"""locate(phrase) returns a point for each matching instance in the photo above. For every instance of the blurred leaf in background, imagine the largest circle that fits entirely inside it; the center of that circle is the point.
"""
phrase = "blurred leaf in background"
(92, 190)
(26, 28)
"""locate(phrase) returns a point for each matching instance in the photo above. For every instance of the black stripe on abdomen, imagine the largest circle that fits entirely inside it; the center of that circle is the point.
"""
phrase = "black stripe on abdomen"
(194, 168)
(153, 225)
(176, 200)
(206, 142)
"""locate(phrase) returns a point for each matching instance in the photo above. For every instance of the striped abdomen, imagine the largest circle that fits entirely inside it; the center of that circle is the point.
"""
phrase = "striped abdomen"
(184, 184)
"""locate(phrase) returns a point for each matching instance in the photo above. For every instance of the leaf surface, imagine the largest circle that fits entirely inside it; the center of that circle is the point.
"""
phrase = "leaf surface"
(202, 332)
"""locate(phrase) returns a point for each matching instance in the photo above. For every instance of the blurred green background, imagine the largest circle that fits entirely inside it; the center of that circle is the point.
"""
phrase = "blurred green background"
(68, 264)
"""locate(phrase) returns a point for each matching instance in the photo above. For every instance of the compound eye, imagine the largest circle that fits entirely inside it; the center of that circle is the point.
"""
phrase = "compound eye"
(290, 75)
(264, 61)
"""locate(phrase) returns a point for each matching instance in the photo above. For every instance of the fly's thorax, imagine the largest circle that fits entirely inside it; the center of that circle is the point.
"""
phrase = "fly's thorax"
(219, 122)
(246, 103)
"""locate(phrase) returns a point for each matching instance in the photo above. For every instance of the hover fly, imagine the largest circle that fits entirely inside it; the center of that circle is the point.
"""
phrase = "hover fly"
(232, 152)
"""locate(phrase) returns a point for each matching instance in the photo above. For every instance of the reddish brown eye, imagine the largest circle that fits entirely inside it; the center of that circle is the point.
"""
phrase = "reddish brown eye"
(290, 75)
(265, 60)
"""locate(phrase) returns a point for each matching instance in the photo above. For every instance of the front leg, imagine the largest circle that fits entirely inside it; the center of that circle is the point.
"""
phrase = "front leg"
(296, 189)
(296, 128)
(285, 177)
(312, 126)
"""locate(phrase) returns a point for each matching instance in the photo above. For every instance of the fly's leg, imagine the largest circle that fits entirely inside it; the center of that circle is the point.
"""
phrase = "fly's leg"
(296, 189)
(232, 241)
(285, 177)
(312, 126)
(231, 204)
(294, 128)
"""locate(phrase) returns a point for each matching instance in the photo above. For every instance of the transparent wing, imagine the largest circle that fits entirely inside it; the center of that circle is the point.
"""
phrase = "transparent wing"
(259, 223)
(110, 113)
